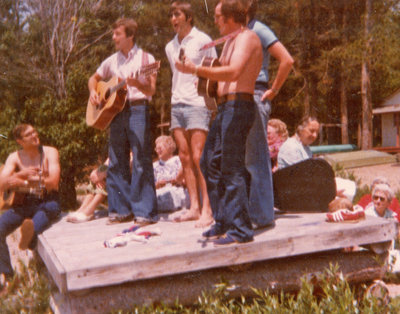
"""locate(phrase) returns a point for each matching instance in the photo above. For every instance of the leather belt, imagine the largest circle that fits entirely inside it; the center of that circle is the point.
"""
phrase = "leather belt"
(137, 102)
(261, 85)
(235, 96)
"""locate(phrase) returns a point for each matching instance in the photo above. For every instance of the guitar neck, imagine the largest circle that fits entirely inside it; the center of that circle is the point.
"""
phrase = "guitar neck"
(117, 87)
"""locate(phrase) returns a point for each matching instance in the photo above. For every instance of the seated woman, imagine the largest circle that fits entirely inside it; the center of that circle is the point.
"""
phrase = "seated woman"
(367, 198)
(296, 148)
(168, 176)
(382, 196)
(277, 134)
(96, 194)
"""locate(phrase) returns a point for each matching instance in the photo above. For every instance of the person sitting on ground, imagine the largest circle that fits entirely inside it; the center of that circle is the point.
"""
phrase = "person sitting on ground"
(168, 175)
(382, 196)
(367, 198)
(96, 194)
(297, 148)
(277, 134)
(33, 172)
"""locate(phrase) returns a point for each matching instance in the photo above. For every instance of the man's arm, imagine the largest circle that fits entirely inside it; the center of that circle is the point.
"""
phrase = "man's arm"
(92, 85)
(148, 88)
(279, 52)
(244, 48)
(52, 180)
(9, 178)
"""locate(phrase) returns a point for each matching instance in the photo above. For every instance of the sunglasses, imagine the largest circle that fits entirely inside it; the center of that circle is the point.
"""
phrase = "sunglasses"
(382, 199)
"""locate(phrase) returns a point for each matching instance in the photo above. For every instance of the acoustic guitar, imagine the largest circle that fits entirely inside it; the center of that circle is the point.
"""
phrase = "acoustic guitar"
(112, 96)
(13, 197)
(206, 87)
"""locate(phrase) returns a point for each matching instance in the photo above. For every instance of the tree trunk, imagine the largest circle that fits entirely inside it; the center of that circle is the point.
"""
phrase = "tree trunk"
(366, 141)
(344, 120)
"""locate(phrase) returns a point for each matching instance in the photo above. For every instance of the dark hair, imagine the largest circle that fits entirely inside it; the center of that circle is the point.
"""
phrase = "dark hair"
(19, 129)
(304, 122)
(237, 9)
(186, 9)
(129, 25)
(252, 9)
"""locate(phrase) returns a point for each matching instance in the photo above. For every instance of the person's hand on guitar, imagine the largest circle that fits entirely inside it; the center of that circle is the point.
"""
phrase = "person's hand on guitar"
(23, 178)
(94, 97)
(185, 65)
(28, 173)
(134, 81)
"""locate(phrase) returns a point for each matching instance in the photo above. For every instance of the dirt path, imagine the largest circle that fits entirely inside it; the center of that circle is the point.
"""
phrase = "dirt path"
(369, 173)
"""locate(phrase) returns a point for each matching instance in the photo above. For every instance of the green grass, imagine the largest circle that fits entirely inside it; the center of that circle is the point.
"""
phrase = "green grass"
(29, 293)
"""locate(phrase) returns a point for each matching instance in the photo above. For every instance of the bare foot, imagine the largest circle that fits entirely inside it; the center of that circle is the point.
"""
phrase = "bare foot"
(204, 221)
(189, 215)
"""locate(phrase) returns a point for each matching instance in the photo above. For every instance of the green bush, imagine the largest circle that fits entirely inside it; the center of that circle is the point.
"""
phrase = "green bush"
(29, 293)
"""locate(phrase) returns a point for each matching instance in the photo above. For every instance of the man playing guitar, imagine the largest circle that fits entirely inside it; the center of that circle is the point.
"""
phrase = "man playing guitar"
(223, 160)
(129, 195)
(190, 117)
(33, 168)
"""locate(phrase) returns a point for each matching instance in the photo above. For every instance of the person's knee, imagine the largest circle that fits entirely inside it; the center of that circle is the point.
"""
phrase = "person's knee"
(51, 211)
(197, 159)
(185, 158)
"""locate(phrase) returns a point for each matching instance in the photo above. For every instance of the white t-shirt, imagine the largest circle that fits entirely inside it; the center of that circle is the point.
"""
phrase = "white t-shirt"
(118, 65)
(184, 86)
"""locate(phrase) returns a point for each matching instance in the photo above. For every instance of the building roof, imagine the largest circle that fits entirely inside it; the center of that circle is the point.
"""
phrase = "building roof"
(386, 109)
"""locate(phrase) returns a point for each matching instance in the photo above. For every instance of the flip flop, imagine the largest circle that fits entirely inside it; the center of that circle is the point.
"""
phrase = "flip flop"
(78, 217)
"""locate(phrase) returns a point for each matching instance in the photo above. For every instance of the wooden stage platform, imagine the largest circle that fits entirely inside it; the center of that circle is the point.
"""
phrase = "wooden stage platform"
(179, 263)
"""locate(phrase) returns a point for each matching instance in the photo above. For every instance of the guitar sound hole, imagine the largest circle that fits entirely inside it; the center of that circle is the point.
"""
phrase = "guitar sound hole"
(6, 195)
(107, 94)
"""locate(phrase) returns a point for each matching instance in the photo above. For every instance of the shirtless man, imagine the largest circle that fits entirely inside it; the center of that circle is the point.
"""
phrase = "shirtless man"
(223, 160)
(33, 166)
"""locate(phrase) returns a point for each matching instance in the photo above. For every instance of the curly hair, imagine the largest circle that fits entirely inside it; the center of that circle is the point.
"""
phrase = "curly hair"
(381, 187)
(169, 142)
(280, 127)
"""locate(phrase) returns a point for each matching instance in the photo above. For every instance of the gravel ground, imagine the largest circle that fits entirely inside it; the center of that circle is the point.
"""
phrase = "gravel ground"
(369, 173)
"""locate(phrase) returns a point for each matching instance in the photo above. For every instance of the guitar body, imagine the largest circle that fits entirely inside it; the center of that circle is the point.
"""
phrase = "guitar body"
(111, 104)
(10, 198)
(112, 96)
(206, 87)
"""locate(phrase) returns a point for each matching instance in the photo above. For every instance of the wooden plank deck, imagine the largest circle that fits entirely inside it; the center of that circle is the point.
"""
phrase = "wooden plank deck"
(76, 258)
(359, 158)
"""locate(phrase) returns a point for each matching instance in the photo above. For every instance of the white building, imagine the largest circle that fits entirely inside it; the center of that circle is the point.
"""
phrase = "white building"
(390, 120)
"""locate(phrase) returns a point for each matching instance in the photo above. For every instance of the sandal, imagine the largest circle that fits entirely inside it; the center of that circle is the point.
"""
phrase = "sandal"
(78, 217)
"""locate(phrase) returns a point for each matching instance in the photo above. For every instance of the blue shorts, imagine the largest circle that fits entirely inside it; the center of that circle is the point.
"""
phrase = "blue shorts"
(190, 117)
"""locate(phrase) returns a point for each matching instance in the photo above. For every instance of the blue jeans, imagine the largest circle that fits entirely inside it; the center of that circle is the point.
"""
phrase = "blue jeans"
(42, 212)
(223, 167)
(261, 199)
(131, 192)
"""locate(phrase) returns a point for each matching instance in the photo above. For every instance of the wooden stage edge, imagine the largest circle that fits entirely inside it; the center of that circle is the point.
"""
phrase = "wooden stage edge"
(179, 264)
